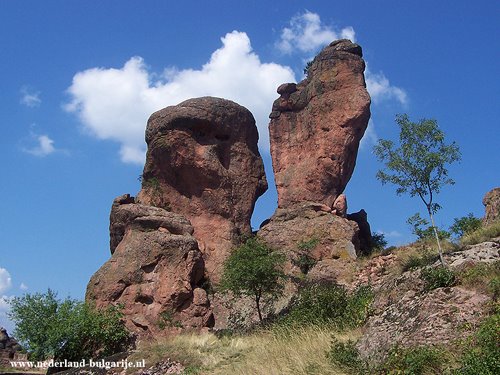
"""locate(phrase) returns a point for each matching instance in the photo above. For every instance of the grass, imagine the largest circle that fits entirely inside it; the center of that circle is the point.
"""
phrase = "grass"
(482, 234)
(414, 361)
(482, 277)
(270, 352)
(329, 305)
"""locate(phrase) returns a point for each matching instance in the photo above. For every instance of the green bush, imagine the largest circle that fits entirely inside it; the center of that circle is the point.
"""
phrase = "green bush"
(415, 261)
(424, 231)
(413, 361)
(483, 353)
(68, 329)
(308, 245)
(378, 242)
(465, 225)
(305, 262)
(255, 270)
(482, 234)
(166, 319)
(345, 356)
(330, 305)
(438, 277)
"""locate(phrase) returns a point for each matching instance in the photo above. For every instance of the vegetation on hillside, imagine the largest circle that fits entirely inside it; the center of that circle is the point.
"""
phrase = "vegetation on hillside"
(418, 166)
(255, 270)
(49, 327)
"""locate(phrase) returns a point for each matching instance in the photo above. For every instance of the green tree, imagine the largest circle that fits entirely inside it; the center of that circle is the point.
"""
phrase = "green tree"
(378, 241)
(418, 166)
(465, 225)
(66, 329)
(254, 270)
(421, 229)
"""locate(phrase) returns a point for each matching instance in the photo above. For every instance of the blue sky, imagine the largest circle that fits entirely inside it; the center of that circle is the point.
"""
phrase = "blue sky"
(80, 78)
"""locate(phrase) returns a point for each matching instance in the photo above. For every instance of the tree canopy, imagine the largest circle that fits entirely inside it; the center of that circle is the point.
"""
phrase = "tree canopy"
(253, 269)
(66, 329)
(418, 165)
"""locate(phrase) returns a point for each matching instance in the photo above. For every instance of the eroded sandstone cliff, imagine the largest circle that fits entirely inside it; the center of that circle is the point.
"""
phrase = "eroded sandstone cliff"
(203, 163)
(316, 127)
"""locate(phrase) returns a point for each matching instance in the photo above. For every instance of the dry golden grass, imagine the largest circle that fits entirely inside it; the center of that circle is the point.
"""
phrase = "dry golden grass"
(302, 351)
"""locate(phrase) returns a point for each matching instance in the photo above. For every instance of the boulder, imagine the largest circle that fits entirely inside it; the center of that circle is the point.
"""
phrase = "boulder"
(491, 203)
(203, 163)
(305, 231)
(10, 350)
(316, 126)
(340, 206)
(156, 271)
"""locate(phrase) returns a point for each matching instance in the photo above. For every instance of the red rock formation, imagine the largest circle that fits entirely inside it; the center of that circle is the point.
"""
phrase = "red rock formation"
(316, 127)
(156, 270)
(203, 162)
(491, 202)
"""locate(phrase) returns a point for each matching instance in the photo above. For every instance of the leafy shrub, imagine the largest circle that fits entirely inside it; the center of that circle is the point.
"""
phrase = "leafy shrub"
(482, 234)
(166, 319)
(308, 245)
(465, 225)
(330, 305)
(413, 361)
(378, 241)
(438, 277)
(424, 231)
(254, 270)
(307, 68)
(415, 261)
(68, 329)
(305, 262)
(345, 356)
(483, 354)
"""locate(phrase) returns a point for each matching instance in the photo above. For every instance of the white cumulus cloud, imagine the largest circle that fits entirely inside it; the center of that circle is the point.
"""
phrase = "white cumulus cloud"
(29, 97)
(380, 88)
(44, 145)
(306, 33)
(114, 104)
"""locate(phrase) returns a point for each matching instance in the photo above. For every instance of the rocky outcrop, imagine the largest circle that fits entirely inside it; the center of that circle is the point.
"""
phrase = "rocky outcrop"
(417, 319)
(316, 127)
(156, 270)
(9, 349)
(491, 202)
(203, 163)
(306, 233)
(406, 314)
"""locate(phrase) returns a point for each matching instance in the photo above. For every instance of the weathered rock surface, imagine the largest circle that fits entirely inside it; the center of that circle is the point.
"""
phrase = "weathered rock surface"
(316, 127)
(307, 231)
(155, 271)
(407, 315)
(203, 163)
(491, 203)
(9, 349)
(417, 319)
(484, 252)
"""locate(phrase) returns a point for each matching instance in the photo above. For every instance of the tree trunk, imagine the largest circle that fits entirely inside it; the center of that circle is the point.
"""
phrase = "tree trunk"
(257, 302)
(443, 263)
